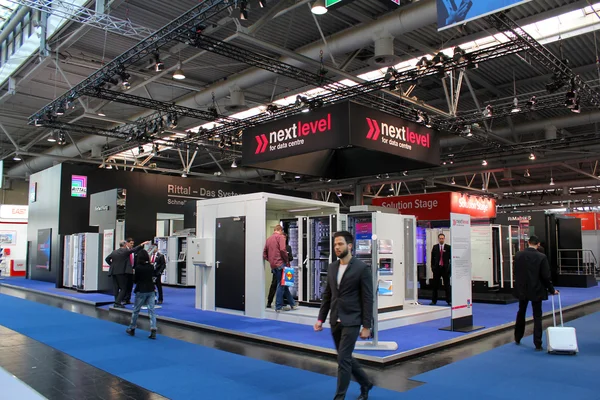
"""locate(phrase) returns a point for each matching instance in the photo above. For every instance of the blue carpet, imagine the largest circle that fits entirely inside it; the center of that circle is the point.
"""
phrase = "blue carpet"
(181, 370)
(179, 304)
(51, 289)
(170, 367)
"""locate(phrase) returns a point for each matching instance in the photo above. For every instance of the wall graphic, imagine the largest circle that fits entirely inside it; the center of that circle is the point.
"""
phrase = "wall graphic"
(457, 12)
(44, 248)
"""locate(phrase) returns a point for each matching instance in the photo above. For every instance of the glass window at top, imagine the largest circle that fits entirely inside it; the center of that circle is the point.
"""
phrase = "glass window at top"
(6, 10)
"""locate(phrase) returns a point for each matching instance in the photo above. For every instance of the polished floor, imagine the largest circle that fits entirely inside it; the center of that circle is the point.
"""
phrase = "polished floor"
(64, 377)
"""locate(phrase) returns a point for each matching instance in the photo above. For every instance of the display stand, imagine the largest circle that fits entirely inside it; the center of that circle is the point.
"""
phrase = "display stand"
(375, 344)
(462, 299)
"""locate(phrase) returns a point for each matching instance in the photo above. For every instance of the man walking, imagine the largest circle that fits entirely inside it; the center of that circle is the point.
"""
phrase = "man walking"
(144, 293)
(532, 283)
(349, 296)
(120, 266)
(440, 266)
(276, 253)
(273, 287)
(159, 263)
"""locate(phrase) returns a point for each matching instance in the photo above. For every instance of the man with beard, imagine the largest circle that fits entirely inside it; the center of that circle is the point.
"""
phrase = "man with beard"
(349, 296)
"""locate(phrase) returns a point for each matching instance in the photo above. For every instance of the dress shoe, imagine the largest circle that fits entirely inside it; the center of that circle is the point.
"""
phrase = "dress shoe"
(130, 332)
(517, 341)
(119, 306)
(364, 392)
(152, 334)
(160, 302)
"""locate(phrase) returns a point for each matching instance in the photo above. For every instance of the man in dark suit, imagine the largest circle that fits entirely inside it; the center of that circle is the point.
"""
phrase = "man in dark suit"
(532, 283)
(441, 268)
(159, 263)
(349, 296)
(130, 245)
(120, 266)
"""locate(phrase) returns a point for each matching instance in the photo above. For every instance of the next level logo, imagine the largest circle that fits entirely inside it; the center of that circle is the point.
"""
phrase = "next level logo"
(397, 136)
(292, 135)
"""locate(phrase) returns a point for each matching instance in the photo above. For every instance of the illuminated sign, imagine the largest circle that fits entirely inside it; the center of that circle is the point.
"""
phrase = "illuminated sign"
(78, 186)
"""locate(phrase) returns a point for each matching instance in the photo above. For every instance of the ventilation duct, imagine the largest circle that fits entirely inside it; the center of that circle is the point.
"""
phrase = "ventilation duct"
(384, 52)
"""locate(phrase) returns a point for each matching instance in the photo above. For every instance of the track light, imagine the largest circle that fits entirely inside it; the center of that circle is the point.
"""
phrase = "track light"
(52, 137)
(234, 164)
(516, 107)
(158, 65)
(551, 181)
(17, 157)
(60, 110)
(318, 7)
(484, 163)
(453, 182)
(532, 156)
(178, 74)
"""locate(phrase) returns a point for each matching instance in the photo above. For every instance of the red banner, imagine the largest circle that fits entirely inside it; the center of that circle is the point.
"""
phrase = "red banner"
(438, 206)
(589, 221)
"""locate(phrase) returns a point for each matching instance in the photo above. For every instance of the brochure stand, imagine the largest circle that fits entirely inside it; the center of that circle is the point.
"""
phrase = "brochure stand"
(374, 343)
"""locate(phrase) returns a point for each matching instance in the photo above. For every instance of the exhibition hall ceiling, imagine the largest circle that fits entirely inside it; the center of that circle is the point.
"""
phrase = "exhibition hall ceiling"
(245, 62)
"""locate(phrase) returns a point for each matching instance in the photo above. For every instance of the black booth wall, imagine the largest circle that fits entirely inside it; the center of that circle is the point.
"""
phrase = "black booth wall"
(147, 195)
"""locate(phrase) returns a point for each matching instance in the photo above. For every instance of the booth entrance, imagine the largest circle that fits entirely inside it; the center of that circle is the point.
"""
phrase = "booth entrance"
(230, 264)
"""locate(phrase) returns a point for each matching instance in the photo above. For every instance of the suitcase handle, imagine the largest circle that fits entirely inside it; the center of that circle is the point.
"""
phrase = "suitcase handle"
(559, 309)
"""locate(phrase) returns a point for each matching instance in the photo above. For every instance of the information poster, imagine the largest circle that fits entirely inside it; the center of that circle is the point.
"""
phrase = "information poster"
(385, 288)
(460, 234)
(481, 253)
(108, 247)
(44, 246)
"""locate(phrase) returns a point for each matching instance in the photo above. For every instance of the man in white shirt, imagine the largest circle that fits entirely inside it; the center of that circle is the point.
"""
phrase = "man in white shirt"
(349, 296)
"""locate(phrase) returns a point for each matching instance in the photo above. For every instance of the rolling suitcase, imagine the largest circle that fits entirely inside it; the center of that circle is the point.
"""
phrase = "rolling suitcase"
(561, 339)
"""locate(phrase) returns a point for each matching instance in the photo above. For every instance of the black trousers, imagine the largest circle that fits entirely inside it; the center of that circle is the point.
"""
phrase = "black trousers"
(444, 275)
(537, 321)
(129, 288)
(158, 284)
(119, 287)
(272, 290)
(345, 338)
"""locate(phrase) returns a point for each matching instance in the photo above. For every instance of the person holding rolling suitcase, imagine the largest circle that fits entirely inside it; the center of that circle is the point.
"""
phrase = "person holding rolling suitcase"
(532, 283)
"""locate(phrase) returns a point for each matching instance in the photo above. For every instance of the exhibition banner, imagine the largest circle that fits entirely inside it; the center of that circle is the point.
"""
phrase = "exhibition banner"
(107, 247)
(375, 130)
(439, 206)
(457, 12)
(462, 300)
(589, 221)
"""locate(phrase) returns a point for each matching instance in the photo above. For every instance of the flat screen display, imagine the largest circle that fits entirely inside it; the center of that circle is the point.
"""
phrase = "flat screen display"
(457, 12)
(44, 248)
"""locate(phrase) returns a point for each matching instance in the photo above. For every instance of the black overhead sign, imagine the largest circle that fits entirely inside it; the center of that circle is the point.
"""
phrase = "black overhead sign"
(343, 140)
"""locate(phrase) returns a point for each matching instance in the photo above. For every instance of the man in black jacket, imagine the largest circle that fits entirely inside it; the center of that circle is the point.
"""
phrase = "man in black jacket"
(441, 268)
(120, 266)
(144, 293)
(349, 296)
(132, 257)
(160, 264)
(532, 283)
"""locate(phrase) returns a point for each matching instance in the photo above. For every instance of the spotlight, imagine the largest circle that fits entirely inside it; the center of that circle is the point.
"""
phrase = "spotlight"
(233, 164)
(453, 182)
(271, 108)
(467, 131)
(576, 108)
(318, 7)
(526, 174)
(484, 163)
(488, 112)
(155, 149)
(17, 157)
(183, 174)
(140, 150)
(52, 137)
(459, 54)
(172, 121)
(178, 74)
(37, 122)
(551, 181)
(158, 65)
(125, 77)
(60, 110)
(62, 139)
(423, 63)
(532, 103)
(532, 157)
(516, 107)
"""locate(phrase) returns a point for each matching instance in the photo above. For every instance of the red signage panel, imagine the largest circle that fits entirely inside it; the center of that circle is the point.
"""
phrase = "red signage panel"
(588, 220)
(438, 206)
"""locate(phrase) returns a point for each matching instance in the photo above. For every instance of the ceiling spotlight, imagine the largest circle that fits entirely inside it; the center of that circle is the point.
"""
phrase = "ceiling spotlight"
(155, 149)
(158, 65)
(516, 107)
(551, 181)
(183, 174)
(17, 157)
(52, 138)
(532, 156)
(172, 120)
(62, 139)
(488, 112)
(405, 173)
(532, 102)
(576, 107)
(101, 114)
(453, 182)
(484, 163)
(60, 110)
(37, 122)
(125, 77)
(318, 7)
(234, 164)
(140, 149)
(526, 174)
(178, 74)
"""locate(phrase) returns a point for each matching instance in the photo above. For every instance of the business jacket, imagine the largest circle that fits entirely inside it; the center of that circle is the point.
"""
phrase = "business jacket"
(435, 257)
(120, 262)
(160, 264)
(532, 275)
(144, 278)
(352, 301)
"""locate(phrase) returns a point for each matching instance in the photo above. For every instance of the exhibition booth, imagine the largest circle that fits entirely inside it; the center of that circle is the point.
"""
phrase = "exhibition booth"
(13, 239)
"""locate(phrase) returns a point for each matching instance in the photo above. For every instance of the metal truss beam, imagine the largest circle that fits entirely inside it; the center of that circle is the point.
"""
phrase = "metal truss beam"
(170, 32)
(88, 17)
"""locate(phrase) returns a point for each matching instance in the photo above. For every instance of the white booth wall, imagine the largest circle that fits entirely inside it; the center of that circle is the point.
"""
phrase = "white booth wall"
(259, 225)
(13, 222)
(591, 241)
